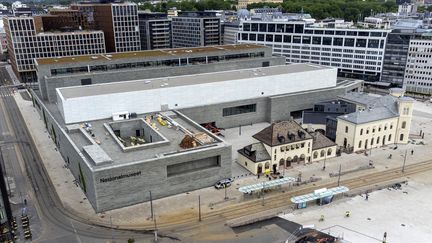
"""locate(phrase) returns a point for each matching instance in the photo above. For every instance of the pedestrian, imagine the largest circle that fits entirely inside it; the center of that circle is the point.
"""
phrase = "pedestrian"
(367, 196)
(412, 152)
(25, 201)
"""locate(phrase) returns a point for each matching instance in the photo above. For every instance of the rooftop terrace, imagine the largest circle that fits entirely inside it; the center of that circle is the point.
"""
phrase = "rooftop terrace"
(116, 142)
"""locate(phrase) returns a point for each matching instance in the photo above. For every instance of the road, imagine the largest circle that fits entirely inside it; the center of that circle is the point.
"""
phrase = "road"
(49, 221)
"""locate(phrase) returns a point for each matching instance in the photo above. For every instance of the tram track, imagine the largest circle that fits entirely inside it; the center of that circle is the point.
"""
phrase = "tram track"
(190, 221)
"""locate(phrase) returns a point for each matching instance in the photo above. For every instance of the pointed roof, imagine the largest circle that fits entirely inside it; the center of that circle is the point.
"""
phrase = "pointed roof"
(256, 152)
(277, 133)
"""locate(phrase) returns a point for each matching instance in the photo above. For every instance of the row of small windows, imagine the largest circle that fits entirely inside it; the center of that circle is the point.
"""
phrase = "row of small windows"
(322, 153)
(376, 142)
(315, 40)
(419, 83)
(292, 147)
(373, 129)
(172, 62)
(300, 29)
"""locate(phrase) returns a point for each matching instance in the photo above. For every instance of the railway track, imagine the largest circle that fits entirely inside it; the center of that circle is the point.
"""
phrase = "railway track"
(190, 220)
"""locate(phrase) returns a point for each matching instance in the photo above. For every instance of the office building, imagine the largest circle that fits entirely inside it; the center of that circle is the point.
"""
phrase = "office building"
(27, 41)
(191, 29)
(118, 21)
(155, 31)
(418, 71)
(357, 53)
(282, 145)
(96, 69)
(378, 121)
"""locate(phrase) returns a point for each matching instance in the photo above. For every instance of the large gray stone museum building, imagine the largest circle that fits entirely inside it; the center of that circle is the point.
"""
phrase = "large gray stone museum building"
(123, 139)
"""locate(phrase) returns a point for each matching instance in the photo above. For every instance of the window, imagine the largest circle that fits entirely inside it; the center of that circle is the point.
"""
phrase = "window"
(367, 131)
(391, 126)
(346, 129)
(389, 137)
(322, 154)
(403, 125)
(360, 143)
(86, 81)
(361, 131)
(230, 111)
(349, 42)
(378, 140)
(372, 140)
(329, 151)
(315, 155)
(401, 137)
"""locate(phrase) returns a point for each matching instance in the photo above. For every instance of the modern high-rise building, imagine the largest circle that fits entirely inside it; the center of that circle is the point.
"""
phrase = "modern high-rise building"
(118, 21)
(396, 54)
(418, 71)
(83, 29)
(191, 29)
(155, 30)
(27, 40)
(357, 53)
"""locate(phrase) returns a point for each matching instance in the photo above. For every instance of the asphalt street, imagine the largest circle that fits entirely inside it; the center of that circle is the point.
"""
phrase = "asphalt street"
(49, 221)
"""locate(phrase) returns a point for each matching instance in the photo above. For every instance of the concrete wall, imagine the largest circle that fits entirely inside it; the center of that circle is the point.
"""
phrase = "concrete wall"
(268, 109)
(129, 190)
(73, 156)
(214, 113)
(47, 84)
(101, 106)
(153, 177)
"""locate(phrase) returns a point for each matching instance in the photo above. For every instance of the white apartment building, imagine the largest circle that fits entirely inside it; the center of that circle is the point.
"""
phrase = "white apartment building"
(418, 71)
(357, 53)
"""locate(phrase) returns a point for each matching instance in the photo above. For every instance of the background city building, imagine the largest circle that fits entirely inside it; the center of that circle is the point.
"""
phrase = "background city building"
(27, 40)
(357, 53)
(190, 29)
(155, 31)
(418, 70)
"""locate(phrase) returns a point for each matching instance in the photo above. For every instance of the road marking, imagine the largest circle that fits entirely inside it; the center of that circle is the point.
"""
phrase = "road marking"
(75, 231)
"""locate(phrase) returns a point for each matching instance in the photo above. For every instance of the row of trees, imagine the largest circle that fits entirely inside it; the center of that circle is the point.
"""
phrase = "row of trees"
(351, 10)
(189, 5)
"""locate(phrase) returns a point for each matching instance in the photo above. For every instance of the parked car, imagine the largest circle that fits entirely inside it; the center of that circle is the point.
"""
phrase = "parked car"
(223, 183)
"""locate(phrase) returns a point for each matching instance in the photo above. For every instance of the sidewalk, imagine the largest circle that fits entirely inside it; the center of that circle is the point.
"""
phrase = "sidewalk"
(74, 199)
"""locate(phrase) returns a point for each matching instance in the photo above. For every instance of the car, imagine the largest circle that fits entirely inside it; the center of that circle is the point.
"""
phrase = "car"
(223, 184)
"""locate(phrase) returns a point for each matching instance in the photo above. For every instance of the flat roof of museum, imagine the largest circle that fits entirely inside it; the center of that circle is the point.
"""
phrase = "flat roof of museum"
(175, 52)
(110, 148)
(147, 84)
